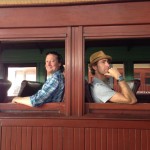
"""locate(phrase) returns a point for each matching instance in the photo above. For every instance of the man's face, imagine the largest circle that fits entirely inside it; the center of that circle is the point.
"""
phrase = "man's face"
(102, 66)
(51, 63)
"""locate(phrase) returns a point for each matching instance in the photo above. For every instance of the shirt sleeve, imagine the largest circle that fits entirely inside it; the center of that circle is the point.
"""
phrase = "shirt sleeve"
(47, 89)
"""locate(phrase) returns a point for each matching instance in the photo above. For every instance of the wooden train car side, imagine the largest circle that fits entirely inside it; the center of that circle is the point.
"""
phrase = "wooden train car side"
(76, 30)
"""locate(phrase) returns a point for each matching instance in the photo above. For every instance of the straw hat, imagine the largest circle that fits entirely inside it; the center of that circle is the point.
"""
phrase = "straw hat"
(98, 56)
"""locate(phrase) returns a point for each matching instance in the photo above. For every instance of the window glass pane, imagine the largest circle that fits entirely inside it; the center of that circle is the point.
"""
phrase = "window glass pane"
(16, 75)
(142, 72)
(147, 81)
(147, 74)
(136, 75)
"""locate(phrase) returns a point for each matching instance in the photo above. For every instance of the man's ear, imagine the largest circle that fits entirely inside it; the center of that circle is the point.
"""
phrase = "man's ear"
(59, 64)
(94, 67)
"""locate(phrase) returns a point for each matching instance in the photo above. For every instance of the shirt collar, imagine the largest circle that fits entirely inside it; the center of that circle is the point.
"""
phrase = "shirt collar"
(49, 76)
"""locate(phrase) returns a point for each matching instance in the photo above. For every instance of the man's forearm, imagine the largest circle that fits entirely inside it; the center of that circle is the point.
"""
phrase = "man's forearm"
(127, 92)
(22, 100)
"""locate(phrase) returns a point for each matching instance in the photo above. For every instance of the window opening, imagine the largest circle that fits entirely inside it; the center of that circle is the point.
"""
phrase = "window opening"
(16, 75)
(142, 72)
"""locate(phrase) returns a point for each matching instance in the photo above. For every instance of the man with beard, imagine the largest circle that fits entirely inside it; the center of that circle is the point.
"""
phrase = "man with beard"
(100, 88)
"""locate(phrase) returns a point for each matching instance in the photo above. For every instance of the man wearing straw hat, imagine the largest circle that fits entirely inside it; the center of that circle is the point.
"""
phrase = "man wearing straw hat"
(100, 89)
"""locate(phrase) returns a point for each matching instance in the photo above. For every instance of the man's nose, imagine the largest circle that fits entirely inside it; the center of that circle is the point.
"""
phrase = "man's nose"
(49, 63)
(107, 64)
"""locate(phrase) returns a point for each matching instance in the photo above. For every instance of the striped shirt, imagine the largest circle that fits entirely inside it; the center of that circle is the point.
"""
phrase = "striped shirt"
(51, 91)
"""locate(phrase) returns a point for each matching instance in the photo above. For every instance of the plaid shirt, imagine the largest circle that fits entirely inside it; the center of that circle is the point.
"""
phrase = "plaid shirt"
(51, 91)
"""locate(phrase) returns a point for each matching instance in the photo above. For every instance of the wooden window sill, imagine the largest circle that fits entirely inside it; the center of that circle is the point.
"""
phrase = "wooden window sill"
(49, 107)
(120, 111)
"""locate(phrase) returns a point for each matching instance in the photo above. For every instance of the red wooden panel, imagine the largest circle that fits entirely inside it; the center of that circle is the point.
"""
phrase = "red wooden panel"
(119, 13)
(76, 138)
(3, 142)
(24, 138)
(144, 140)
(39, 138)
(78, 67)
(115, 139)
(33, 33)
(116, 31)
(87, 138)
(109, 139)
(0, 136)
(92, 138)
(82, 139)
(13, 138)
(8, 138)
(126, 138)
(148, 139)
(18, 139)
(68, 143)
(34, 138)
(49, 107)
(104, 138)
(47, 138)
(29, 136)
(57, 139)
(132, 139)
(98, 139)
(120, 140)
(138, 140)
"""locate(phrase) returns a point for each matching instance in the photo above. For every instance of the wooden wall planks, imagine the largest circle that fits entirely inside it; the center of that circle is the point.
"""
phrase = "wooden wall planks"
(59, 138)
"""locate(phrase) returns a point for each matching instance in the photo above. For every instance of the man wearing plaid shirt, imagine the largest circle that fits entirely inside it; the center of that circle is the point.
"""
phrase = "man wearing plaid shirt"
(53, 89)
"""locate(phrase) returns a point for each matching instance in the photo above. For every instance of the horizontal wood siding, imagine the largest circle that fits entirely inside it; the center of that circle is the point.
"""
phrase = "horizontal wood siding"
(119, 13)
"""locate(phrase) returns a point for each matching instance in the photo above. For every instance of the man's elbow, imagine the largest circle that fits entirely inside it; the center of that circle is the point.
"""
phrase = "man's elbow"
(132, 101)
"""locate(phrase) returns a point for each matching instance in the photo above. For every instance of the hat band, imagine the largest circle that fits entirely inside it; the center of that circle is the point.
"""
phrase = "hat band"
(96, 59)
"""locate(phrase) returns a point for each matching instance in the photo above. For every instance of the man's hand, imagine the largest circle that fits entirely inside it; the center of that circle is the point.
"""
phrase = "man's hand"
(113, 72)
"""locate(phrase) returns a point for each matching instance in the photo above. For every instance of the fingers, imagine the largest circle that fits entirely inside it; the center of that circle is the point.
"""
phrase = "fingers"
(113, 70)
(107, 74)
(14, 100)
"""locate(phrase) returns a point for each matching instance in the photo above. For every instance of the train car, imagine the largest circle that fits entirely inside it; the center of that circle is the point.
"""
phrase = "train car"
(75, 29)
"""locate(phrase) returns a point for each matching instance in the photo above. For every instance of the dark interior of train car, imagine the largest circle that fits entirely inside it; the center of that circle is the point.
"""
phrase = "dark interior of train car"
(114, 47)
(131, 50)
(25, 50)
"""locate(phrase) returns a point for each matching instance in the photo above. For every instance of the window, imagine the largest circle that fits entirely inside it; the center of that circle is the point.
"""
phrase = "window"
(16, 75)
(147, 79)
(123, 53)
(25, 60)
(142, 72)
